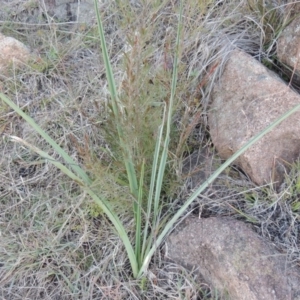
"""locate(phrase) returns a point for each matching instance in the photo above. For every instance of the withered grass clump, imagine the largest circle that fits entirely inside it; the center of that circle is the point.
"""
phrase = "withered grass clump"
(56, 242)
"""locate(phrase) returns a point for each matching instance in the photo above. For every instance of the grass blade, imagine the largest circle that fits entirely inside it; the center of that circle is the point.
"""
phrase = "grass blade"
(152, 184)
(46, 156)
(164, 154)
(129, 165)
(100, 201)
(48, 139)
(138, 217)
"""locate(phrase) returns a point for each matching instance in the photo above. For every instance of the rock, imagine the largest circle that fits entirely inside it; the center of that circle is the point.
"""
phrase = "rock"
(234, 259)
(12, 50)
(288, 50)
(247, 99)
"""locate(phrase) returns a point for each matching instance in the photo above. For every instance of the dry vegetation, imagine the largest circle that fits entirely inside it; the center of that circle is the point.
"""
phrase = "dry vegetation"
(55, 242)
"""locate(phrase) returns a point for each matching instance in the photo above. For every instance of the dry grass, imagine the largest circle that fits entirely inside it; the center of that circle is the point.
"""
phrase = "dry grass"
(55, 243)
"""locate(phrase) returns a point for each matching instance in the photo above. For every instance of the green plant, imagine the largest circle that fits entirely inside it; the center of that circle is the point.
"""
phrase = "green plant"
(150, 226)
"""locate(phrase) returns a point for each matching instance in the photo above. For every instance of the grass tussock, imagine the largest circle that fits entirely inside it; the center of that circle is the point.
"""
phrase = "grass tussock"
(56, 243)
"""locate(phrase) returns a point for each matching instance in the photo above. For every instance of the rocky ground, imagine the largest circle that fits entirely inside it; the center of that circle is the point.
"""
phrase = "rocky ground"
(241, 238)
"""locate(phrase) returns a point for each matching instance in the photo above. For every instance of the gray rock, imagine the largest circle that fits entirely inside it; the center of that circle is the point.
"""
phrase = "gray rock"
(247, 99)
(234, 259)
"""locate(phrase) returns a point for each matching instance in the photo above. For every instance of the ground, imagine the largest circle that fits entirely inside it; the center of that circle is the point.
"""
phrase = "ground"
(56, 243)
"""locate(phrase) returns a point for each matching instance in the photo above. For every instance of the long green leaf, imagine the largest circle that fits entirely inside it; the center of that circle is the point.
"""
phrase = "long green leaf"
(46, 156)
(165, 150)
(138, 216)
(103, 204)
(48, 139)
(129, 165)
(155, 162)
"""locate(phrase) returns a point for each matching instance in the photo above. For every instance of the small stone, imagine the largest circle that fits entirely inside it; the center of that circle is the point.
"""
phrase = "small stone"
(12, 51)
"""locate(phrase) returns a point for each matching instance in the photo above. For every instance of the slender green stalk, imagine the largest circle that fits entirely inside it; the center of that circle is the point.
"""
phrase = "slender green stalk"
(164, 155)
(152, 184)
(138, 217)
(129, 165)
(48, 139)
(160, 161)
(46, 156)
(103, 204)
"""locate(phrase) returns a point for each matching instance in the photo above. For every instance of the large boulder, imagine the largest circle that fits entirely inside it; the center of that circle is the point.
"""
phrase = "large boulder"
(247, 99)
(234, 259)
